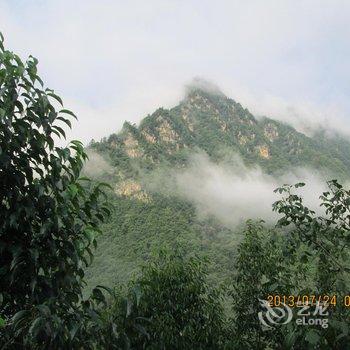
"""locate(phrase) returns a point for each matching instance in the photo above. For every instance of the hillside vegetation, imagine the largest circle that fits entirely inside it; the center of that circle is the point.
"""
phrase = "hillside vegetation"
(145, 219)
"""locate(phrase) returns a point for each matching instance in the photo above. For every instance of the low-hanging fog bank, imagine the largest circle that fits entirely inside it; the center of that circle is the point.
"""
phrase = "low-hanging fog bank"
(233, 192)
(96, 165)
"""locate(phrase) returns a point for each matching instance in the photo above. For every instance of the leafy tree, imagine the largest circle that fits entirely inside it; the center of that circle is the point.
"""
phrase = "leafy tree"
(328, 235)
(306, 254)
(327, 239)
(170, 306)
(184, 311)
(260, 269)
(48, 216)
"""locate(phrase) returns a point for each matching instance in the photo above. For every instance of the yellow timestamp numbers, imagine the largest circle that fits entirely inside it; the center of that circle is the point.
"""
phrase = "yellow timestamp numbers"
(276, 300)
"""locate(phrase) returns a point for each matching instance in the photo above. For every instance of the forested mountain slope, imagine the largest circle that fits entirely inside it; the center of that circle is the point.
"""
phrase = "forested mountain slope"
(211, 121)
(206, 122)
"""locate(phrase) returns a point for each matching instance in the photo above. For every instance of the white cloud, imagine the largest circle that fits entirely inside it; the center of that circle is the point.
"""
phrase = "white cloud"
(117, 60)
(96, 165)
(232, 192)
(303, 115)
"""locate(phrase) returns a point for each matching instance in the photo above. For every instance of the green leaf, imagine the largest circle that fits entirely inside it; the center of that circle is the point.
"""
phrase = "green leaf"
(60, 130)
(36, 326)
(19, 317)
(107, 289)
(44, 309)
(56, 97)
(40, 81)
(73, 190)
(66, 121)
(67, 111)
(74, 330)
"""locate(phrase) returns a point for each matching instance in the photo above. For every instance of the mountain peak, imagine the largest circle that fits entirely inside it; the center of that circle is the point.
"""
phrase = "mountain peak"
(209, 121)
(199, 85)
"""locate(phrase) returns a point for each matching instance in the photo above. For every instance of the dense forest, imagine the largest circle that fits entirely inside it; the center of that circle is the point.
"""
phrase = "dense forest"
(108, 263)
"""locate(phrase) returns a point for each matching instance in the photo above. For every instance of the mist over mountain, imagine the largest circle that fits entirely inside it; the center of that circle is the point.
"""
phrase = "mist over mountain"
(192, 174)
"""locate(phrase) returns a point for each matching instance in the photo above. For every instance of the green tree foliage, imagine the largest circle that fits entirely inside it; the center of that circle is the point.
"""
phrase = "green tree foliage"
(137, 228)
(327, 239)
(327, 235)
(169, 306)
(306, 254)
(264, 266)
(258, 267)
(48, 216)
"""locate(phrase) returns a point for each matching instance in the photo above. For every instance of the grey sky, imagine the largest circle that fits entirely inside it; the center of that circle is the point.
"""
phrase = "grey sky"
(117, 60)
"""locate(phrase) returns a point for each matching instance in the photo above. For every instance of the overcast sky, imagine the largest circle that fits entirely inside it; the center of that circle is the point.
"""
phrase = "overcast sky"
(119, 60)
